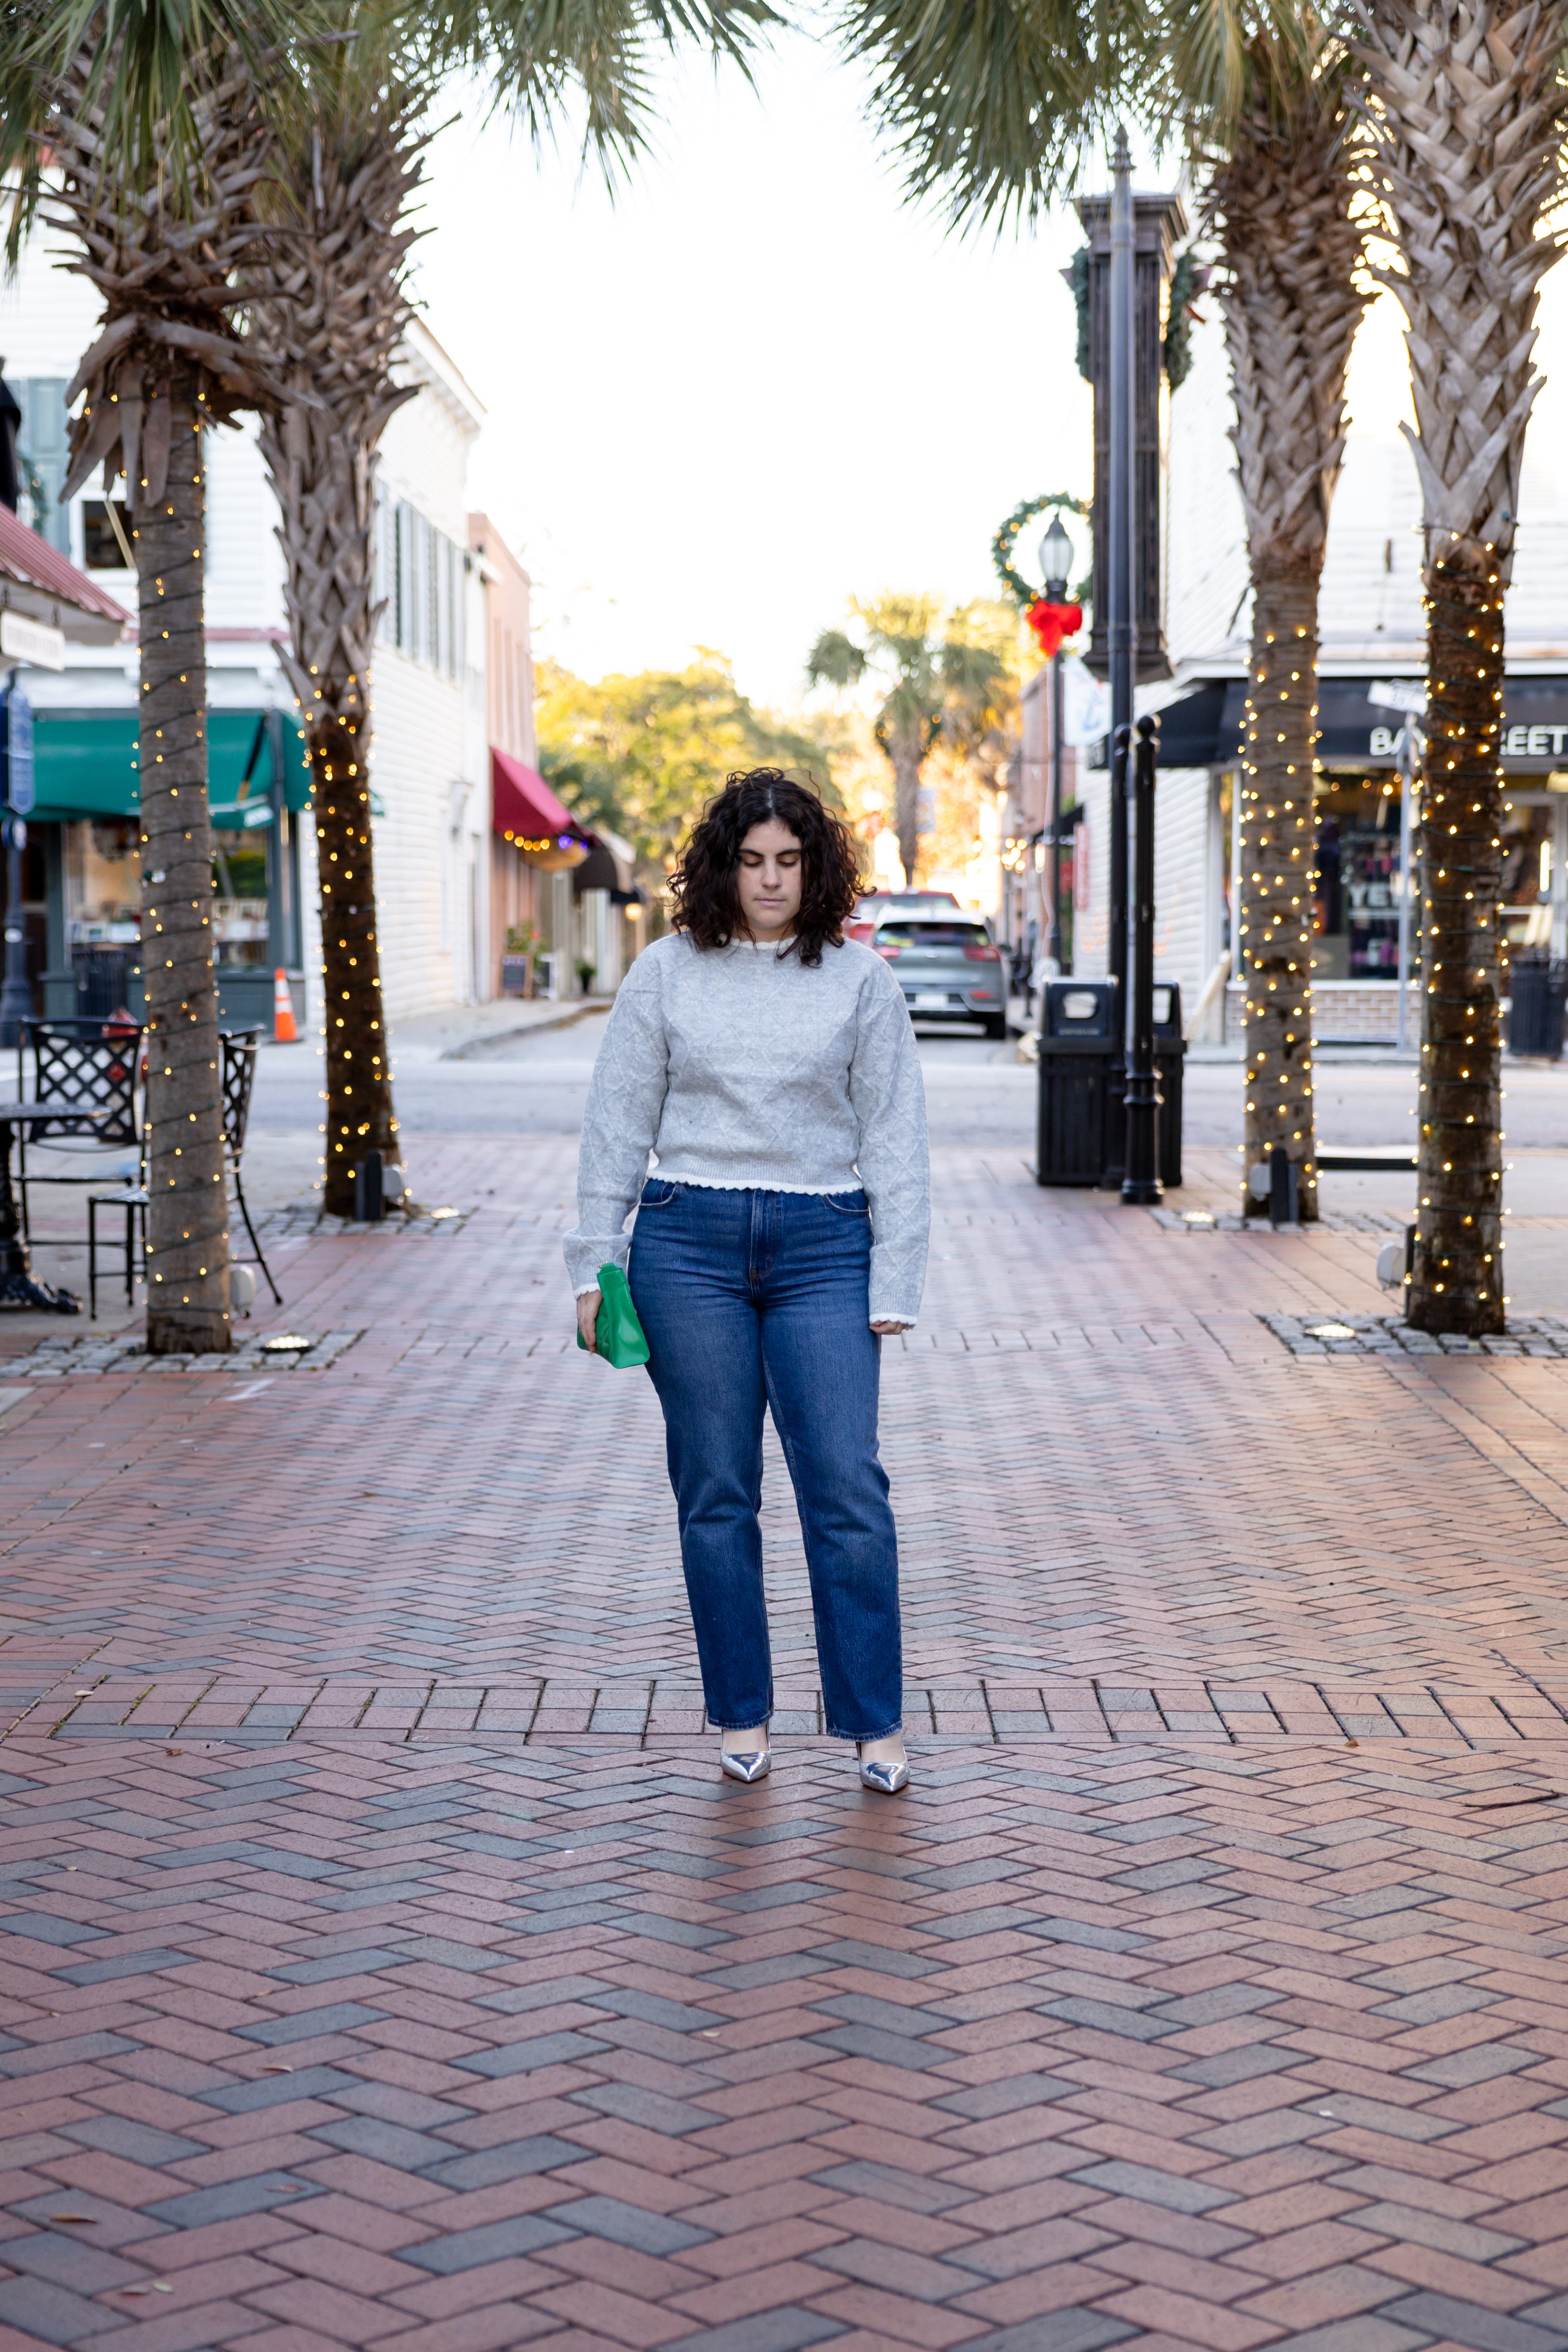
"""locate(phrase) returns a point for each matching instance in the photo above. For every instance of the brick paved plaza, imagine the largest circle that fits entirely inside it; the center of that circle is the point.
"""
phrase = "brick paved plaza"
(422, 1987)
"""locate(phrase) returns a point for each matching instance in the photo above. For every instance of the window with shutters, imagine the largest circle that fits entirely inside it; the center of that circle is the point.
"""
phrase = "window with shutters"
(41, 456)
(420, 573)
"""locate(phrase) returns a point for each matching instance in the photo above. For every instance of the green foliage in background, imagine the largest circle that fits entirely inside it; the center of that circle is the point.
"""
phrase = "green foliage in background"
(645, 754)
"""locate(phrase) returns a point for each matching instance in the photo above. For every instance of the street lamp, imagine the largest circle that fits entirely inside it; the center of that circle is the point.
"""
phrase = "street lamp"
(1055, 563)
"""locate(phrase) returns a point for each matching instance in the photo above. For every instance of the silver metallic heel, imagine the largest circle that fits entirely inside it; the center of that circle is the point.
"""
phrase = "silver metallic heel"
(886, 1779)
(749, 1765)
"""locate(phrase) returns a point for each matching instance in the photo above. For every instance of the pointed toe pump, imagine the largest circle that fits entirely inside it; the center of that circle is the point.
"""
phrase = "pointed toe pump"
(887, 1777)
(748, 1764)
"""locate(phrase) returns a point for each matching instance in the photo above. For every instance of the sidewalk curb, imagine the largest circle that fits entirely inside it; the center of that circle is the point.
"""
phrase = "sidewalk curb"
(478, 1049)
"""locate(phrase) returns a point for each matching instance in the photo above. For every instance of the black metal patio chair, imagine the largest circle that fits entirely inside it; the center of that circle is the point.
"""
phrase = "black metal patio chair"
(82, 1065)
(239, 1050)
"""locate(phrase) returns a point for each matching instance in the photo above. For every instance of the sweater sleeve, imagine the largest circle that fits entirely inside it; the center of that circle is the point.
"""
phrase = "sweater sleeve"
(888, 1095)
(620, 1124)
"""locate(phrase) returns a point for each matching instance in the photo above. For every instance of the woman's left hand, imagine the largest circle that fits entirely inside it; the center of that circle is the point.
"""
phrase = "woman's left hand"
(887, 1330)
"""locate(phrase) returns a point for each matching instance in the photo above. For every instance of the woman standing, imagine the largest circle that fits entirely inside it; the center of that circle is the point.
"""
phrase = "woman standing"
(769, 1065)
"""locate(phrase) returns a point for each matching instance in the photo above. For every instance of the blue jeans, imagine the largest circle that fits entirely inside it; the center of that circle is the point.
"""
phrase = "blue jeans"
(761, 1298)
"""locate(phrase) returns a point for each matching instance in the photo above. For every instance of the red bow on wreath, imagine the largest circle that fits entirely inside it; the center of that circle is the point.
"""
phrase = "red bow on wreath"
(1052, 623)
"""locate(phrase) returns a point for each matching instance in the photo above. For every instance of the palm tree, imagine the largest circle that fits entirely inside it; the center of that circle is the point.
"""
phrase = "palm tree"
(155, 147)
(352, 116)
(1465, 116)
(936, 672)
(996, 108)
(1280, 197)
(328, 295)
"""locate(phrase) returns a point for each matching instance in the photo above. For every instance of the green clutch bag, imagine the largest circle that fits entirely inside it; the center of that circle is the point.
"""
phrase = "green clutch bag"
(620, 1337)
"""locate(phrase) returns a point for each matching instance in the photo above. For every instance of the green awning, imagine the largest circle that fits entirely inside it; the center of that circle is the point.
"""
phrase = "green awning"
(86, 765)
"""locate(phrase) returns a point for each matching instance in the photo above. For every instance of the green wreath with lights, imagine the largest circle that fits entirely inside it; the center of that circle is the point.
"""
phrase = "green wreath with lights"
(1002, 546)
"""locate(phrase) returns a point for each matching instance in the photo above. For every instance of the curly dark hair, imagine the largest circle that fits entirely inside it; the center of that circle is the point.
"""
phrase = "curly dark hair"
(703, 884)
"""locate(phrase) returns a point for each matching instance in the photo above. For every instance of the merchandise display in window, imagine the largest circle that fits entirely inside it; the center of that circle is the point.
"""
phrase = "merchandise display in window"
(1357, 884)
(1527, 839)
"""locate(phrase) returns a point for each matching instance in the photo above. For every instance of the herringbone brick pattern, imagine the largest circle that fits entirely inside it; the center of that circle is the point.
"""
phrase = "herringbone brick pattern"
(421, 1986)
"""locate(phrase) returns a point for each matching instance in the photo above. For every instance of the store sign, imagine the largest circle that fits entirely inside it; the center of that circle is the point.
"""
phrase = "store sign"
(19, 794)
(26, 640)
(1206, 728)
(1534, 742)
(1518, 743)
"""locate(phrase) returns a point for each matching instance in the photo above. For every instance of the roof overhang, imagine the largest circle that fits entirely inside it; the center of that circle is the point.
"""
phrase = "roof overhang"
(37, 579)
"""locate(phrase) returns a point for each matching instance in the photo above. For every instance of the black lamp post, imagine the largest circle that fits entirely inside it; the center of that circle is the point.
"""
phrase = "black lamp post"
(1056, 561)
(1140, 1184)
(1122, 633)
(15, 791)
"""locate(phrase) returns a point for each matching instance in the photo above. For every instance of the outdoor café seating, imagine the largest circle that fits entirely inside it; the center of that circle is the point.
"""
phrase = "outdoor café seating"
(239, 1050)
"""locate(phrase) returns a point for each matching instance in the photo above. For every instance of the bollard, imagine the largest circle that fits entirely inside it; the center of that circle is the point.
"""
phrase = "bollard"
(369, 1206)
(1284, 1208)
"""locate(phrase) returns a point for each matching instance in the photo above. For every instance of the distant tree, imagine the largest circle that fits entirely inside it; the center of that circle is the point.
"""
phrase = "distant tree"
(938, 674)
(644, 754)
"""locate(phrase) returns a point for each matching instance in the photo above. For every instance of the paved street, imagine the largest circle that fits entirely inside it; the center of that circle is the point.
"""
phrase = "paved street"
(423, 1988)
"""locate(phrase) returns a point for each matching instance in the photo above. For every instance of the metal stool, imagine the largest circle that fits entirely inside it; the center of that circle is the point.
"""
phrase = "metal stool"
(133, 1201)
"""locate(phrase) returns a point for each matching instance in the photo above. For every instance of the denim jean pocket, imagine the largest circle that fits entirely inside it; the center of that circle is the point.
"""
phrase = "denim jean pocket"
(658, 1193)
(847, 1205)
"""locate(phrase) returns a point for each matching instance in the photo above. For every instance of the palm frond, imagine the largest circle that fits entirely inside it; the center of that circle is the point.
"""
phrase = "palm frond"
(971, 673)
(138, 86)
(995, 105)
(835, 660)
(541, 55)
(989, 102)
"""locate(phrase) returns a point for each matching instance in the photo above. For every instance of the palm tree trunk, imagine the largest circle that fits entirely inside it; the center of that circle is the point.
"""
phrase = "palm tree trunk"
(160, 235)
(1281, 200)
(907, 765)
(359, 1078)
(331, 299)
(187, 1214)
(1277, 848)
(1467, 130)
(1457, 1282)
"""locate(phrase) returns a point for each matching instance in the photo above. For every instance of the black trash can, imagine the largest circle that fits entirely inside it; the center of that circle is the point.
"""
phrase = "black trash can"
(1539, 993)
(1080, 1041)
(1170, 1058)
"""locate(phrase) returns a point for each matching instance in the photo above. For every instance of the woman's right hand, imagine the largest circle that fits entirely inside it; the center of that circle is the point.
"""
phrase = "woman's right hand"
(588, 1305)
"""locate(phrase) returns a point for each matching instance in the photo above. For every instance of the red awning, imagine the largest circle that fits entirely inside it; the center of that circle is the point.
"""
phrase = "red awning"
(524, 808)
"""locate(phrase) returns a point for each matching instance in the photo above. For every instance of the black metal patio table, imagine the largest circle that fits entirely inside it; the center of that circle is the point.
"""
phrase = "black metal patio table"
(18, 1287)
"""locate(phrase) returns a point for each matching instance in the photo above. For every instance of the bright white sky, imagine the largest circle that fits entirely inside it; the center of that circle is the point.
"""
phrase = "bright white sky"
(755, 383)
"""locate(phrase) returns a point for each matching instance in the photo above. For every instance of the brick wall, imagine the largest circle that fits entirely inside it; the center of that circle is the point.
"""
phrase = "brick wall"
(1344, 1008)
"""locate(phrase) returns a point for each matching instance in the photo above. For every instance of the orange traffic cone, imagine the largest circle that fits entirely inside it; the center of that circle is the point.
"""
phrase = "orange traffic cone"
(284, 1030)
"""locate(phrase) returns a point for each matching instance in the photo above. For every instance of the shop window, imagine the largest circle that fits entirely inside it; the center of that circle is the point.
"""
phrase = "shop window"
(1527, 873)
(1358, 885)
(100, 549)
(239, 898)
(103, 911)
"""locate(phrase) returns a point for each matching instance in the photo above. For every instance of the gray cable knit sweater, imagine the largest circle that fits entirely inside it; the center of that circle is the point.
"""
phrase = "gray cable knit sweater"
(741, 1067)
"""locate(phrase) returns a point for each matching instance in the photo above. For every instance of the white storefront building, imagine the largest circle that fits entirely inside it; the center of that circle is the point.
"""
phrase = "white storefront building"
(1372, 629)
(430, 770)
